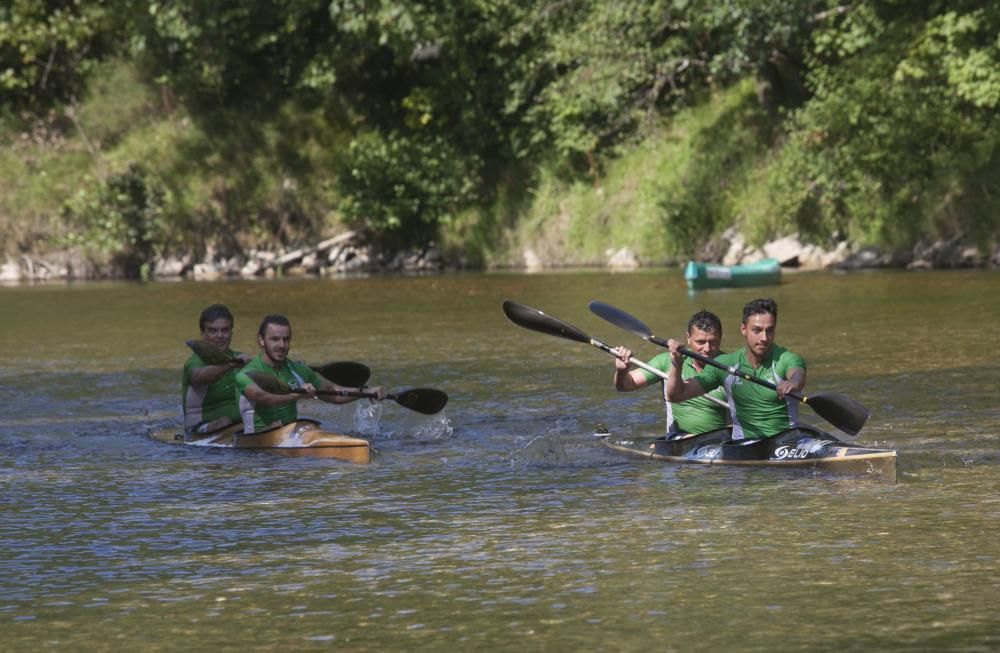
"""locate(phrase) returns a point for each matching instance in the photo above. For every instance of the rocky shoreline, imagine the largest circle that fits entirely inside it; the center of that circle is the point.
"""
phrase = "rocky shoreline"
(346, 255)
(732, 249)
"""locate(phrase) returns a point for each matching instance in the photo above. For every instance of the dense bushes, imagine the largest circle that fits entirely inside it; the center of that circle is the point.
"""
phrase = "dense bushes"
(875, 120)
(125, 217)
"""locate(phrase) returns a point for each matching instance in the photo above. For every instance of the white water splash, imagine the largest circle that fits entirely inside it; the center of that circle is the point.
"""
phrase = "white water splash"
(544, 449)
(422, 428)
(366, 418)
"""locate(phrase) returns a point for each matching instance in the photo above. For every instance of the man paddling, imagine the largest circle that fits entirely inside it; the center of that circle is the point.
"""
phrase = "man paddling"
(208, 392)
(260, 409)
(757, 412)
(700, 415)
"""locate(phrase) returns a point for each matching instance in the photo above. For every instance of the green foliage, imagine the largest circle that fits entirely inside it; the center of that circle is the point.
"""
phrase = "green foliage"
(48, 47)
(401, 189)
(125, 216)
(958, 52)
(604, 70)
(230, 55)
(590, 124)
(902, 120)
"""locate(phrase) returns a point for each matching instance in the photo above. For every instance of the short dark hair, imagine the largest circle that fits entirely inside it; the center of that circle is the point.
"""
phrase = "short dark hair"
(280, 320)
(758, 306)
(706, 321)
(213, 313)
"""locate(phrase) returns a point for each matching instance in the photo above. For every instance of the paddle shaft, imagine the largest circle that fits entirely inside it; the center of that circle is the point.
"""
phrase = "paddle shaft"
(652, 370)
(660, 373)
(341, 393)
(536, 320)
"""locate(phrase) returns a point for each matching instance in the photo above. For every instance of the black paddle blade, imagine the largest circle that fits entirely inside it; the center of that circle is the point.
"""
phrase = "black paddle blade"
(422, 400)
(346, 373)
(843, 412)
(208, 352)
(270, 383)
(534, 319)
(620, 319)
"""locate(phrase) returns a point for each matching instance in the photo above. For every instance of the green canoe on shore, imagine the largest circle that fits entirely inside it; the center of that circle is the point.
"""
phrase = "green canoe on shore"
(700, 276)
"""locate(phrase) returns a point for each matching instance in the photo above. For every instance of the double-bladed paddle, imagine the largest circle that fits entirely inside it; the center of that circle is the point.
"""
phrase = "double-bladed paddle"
(843, 412)
(422, 400)
(536, 320)
(345, 373)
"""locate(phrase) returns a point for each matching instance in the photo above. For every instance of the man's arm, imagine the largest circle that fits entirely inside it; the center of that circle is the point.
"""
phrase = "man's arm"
(795, 382)
(326, 384)
(625, 380)
(209, 374)
(254, 393)
(677, 388)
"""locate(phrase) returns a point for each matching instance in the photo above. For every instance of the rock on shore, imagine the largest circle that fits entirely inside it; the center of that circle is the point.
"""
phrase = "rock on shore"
(792, 252)
(346, 255)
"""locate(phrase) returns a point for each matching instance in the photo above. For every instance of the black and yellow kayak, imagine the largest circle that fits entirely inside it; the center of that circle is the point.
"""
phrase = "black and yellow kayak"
(303, 437)
(801, 447)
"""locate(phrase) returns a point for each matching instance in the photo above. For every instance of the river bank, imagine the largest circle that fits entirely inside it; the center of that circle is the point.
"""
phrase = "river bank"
(347, 255)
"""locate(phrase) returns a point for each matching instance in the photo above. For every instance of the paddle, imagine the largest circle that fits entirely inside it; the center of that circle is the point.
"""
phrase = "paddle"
(843, 412)
(345, 373)
(422, 400)
(534, 319)
(210, 353)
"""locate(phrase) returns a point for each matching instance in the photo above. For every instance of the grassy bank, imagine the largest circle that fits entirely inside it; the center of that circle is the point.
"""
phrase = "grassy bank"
(128, 169)
(662, 196)
(241, 183)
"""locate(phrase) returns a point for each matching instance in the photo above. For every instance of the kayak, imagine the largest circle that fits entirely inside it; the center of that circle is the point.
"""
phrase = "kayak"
(700, 276)
(303, 437)
(802, 447)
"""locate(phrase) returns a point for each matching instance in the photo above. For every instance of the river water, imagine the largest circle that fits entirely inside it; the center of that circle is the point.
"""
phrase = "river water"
(500, 524)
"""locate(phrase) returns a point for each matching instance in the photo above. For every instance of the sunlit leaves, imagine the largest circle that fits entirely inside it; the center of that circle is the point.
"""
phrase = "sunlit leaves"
(958, 53)
(47, 48)
(902, 126)
(400, 188)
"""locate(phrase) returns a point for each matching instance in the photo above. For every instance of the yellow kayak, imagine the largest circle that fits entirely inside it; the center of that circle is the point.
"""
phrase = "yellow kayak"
(303, 437)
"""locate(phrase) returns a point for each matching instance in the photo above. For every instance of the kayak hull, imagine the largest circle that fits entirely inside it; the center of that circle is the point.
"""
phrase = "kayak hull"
(301, 438)
(219, 438)
(701, 276)
(305, 438)
(802, 447)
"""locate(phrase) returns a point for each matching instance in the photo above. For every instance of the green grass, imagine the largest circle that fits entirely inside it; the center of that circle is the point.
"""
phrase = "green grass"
(684, 181)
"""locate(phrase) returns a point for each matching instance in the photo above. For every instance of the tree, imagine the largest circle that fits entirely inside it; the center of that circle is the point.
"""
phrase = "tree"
(48, 48)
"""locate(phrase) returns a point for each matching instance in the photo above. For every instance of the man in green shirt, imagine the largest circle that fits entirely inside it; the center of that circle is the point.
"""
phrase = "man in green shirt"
(757, 412)
(700, 415)
(262, 410)
(208, 392)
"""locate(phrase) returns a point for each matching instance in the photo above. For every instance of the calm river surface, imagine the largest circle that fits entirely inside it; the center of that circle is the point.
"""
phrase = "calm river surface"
(500, 525)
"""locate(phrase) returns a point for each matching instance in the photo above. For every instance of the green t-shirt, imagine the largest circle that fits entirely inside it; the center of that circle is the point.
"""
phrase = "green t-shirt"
(758, 411)
(257, 418)
(203, 403)
(698, 415)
